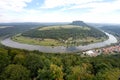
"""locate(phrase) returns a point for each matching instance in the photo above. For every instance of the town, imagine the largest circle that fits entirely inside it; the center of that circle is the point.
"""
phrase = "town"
(106, 50)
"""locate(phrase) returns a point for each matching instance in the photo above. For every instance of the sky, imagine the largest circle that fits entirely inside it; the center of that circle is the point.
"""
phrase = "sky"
(95, 11)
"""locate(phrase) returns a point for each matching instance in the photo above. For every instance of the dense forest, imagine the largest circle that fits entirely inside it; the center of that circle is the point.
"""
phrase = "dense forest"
(64, 33)
(18, 64)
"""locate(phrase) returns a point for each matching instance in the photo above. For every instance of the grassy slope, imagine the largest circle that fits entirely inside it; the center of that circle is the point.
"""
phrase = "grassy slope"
(53, 42)
(45, 42)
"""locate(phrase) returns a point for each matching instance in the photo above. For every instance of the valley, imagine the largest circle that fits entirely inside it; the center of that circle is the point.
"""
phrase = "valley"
(97, 60)
(61, 39)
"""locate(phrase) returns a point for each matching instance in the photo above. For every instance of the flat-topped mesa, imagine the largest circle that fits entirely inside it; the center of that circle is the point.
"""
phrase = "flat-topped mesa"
(79, 23)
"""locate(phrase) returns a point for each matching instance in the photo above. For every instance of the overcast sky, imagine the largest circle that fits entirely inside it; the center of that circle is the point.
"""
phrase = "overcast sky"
(98, 11)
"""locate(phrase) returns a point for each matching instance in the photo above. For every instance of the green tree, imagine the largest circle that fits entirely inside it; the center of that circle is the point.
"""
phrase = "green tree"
(56, 60)
(33, 62)
(56, 72)
(4, 60)
(43, 74)
(100, 67)
(53, 73)
(19, 59)
(111, 74)
(15, 72)
(80, 73)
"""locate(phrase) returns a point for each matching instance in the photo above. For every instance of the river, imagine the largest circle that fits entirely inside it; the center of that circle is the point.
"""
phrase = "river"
(59, 49)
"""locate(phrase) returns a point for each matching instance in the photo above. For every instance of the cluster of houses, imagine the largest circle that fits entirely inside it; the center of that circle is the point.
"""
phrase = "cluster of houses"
(111, 49)
(106, 50)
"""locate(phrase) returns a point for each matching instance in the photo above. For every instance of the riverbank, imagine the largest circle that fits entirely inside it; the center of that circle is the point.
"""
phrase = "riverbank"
(59, 49)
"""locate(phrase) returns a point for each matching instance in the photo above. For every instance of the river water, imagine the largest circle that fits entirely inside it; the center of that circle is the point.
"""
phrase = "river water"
(59, 49)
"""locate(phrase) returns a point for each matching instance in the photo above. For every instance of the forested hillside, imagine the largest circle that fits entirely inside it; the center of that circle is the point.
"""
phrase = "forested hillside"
(64, 33)
(78, 30)
(18, 64)
(74, 34)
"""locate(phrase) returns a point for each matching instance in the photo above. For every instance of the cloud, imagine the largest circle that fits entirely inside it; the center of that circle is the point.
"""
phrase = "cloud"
(61, 3)
(45, 17)
(100, 12)
(11, 9)
(60, 11)
(106, 7)
(99, 6)
(13, 5)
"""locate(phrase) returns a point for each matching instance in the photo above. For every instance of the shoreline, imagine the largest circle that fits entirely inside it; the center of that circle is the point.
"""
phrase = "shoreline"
(59, 49)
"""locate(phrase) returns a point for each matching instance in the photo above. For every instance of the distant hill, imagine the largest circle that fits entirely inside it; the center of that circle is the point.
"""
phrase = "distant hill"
(79, 23)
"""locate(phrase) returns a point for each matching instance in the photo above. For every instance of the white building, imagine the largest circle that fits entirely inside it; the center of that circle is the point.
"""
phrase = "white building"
(89, 53)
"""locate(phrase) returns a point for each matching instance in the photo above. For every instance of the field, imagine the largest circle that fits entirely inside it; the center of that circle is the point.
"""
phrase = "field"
(64, 26)
(1, 27)
(53, 42)
(36, 41)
